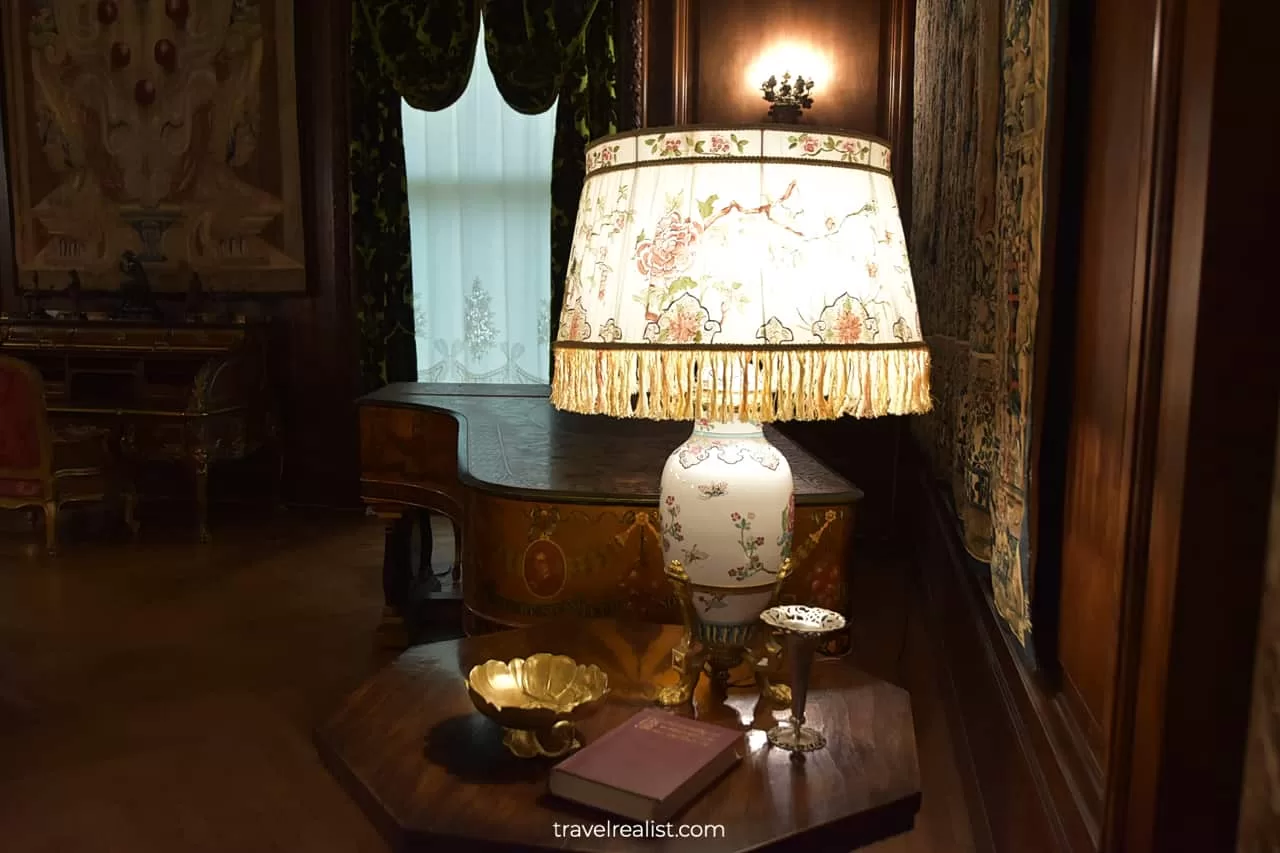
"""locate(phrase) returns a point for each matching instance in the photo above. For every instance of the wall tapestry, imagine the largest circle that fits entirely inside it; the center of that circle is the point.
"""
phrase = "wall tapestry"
(168, 129)
(981, 76)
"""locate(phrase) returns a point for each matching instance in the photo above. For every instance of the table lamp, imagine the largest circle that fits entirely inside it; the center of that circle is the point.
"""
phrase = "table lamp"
(730, 277)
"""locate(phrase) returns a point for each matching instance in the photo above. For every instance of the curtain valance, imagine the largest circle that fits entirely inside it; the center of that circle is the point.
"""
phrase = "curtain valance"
(531, 45)
(427, 49)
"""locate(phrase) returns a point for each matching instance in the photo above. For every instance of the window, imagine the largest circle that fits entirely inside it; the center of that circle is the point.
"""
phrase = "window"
(479, 184)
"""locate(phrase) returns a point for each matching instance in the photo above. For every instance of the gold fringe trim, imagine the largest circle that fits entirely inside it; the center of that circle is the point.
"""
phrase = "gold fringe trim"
(792, 384)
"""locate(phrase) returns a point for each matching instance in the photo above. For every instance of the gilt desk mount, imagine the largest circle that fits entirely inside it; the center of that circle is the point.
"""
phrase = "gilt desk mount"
(137, 302)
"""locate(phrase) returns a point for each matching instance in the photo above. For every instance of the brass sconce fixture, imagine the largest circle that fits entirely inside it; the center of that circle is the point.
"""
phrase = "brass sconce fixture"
(787, 99)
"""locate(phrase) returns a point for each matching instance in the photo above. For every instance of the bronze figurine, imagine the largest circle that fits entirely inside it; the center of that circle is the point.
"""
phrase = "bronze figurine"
(74, 295)
(35, 300)
(136, 300)
(195, 299)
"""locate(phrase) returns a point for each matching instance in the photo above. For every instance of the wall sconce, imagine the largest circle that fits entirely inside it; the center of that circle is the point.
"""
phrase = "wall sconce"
(787, 99)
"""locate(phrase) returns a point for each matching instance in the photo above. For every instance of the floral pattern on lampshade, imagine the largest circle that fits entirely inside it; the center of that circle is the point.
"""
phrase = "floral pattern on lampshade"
(739, 237)
(573, 322)
(754, 273)
(684, 321)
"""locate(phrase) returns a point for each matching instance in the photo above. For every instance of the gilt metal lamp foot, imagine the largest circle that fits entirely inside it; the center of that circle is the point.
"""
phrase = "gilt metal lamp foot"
(706, 648)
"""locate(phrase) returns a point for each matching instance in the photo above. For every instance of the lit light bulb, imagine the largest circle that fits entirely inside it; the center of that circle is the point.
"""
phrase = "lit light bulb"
(800, 60)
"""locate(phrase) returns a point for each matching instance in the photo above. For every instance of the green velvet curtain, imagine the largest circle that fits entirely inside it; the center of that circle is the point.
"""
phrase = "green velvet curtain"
(424, 48)
(588, 109)
(423, 51)
(398, 49)
(539, 49)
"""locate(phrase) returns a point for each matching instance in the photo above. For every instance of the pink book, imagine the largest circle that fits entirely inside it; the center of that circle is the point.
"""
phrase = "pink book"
(650, 767)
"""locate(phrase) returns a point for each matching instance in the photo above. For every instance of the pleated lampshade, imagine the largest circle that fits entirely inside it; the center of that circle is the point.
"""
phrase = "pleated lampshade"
(758, 273)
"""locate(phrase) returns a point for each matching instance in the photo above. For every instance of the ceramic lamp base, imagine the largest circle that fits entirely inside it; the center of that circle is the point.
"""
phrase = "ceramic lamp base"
(727, 506)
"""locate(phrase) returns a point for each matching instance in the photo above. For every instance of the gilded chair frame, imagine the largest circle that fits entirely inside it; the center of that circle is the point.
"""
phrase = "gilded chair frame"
(45, 472)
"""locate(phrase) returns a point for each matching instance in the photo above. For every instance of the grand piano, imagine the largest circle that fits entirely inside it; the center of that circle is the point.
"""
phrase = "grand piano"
(558, 512)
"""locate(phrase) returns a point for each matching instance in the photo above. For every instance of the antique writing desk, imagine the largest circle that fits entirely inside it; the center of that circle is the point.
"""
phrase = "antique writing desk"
(192, 393)
(558, 512)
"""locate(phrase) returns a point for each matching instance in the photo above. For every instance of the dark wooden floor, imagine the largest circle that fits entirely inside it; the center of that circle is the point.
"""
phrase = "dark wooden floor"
(159, 696)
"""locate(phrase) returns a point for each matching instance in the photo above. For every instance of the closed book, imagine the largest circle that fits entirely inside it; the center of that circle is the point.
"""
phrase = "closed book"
(648, 768)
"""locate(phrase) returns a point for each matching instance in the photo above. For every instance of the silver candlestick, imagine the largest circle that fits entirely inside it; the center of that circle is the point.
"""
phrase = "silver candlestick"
(802, 627)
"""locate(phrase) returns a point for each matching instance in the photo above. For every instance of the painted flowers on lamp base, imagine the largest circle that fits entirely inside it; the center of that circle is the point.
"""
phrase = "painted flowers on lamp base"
(727, 510)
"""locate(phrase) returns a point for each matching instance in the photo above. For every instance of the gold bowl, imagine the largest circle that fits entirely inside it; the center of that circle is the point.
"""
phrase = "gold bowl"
(537, 699)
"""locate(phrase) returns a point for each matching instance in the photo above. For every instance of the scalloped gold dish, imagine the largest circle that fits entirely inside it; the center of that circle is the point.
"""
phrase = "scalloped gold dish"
(537, 699)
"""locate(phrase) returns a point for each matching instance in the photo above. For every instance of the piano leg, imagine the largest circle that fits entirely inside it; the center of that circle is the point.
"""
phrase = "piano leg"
(124, 454)
(426, 547)
(277, 488)
(131, 509)
(397, 577)
(456, 569)
(200, 464)
(51, 527)
(275, 442)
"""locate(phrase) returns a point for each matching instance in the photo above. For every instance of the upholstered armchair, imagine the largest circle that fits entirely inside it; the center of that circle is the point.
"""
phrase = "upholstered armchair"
(41, 470)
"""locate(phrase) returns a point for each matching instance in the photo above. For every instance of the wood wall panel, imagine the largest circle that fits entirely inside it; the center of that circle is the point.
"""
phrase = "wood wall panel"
(659, 79)
(870, 43)
(319, 376)
(1108, 317)
(1214, 430)
(1013, 748)
(867, 452)
(897, 91)
(730, 37)
(1133, 732)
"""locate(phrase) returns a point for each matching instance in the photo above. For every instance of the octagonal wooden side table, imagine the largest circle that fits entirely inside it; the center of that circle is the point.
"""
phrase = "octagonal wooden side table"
(432, 773)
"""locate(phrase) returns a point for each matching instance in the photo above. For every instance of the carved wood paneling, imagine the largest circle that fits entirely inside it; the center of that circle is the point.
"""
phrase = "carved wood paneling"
(1194, 580)
(629, 43)
(1011, 744)
(730, 37)
(659, 62)
(1108, 310)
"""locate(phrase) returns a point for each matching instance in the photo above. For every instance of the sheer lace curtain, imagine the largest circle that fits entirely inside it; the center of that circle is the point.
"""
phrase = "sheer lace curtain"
(479, 182)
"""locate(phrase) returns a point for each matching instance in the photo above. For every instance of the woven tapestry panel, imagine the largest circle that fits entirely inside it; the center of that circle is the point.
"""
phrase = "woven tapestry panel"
(981, 82)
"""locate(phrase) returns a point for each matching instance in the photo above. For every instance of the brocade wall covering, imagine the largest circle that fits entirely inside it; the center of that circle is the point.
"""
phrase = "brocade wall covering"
(981, 82)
